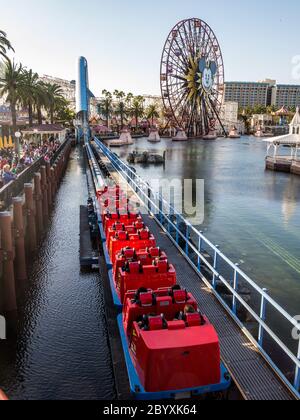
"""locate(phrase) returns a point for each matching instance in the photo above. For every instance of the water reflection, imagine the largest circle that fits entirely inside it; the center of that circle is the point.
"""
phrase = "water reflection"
(61, 348)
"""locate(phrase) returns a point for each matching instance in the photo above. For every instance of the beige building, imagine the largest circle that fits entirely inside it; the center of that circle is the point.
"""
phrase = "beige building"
(68, 88)
(229, 117)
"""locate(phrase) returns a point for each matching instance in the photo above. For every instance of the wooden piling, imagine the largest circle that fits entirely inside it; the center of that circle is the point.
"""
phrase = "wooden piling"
(44, 188)
(9, 289)
(18, 224)
(38, 204)
(31, 221)
(49, 174)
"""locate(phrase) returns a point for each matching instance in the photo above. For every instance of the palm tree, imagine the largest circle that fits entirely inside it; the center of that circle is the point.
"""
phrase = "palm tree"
(106, 106)
(40, 100)
(5, 45)
(11, 86)
(137, 110)
(54, 95)
(31, 83)
(121, 108)
(129, 99)
(63, 113)
(152, 112)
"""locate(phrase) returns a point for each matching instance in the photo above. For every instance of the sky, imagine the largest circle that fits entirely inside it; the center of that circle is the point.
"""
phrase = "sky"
(123, 39)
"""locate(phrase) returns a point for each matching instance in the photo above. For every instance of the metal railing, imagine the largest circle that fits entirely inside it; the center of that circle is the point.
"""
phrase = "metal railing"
(184, 236)
(15, 187)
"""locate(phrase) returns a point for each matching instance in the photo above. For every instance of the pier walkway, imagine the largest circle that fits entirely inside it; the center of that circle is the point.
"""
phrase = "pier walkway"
(254, 377)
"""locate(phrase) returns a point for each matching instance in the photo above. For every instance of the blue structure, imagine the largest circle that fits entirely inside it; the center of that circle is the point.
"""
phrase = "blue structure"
(83, 95)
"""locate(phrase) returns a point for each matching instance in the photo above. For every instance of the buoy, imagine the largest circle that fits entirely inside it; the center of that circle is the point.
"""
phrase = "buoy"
(5, 142)
(1, 142)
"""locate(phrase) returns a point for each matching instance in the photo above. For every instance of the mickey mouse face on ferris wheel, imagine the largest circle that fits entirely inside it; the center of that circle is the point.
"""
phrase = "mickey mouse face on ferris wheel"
(208, 69)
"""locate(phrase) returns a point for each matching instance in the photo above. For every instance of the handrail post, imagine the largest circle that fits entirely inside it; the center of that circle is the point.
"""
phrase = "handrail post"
(187, 238)
(200, 250)
(160, 208)
(214, 283)
(235, 287)
(297, 375)
(149, 199)
(177, 228)
(263, 308)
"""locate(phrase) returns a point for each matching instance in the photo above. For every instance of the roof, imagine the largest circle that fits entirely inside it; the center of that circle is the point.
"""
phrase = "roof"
(296, 119)
(288, 139)
(283, 111)
(44, 129)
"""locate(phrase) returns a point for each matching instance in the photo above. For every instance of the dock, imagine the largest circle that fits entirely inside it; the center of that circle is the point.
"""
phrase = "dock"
(283, 164)
(254, 376)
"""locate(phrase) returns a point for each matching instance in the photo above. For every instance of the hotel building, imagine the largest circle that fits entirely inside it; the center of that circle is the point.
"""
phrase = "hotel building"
(264, 93)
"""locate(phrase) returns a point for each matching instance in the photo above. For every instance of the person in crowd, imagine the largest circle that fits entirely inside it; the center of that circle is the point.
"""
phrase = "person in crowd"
(11, 165)
(7, 175)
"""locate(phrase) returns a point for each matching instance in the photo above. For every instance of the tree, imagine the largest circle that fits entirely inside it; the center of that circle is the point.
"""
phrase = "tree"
(12, 86)
(121, 108)
(63, 113)
(137, 110)
(5, 45)
(152, 112)
(54, 96)
(106, 106)
(40, 100)
(29, 91)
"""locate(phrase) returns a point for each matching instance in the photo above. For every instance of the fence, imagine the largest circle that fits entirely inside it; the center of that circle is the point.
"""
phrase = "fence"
(14, 188)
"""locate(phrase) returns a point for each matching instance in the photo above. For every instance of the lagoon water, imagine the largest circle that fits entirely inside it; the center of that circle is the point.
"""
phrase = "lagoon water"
(251, 213)
(60, 350)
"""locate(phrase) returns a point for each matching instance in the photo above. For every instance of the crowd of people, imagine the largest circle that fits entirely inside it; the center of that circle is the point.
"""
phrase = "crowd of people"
(11, 165)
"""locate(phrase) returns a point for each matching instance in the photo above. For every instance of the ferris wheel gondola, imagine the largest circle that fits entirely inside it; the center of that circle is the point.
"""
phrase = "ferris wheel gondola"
(192, 77)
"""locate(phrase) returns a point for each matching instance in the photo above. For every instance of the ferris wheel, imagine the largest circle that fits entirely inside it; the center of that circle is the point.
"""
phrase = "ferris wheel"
(192, 77)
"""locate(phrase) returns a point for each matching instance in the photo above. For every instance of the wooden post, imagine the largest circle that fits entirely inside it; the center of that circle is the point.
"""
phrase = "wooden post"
(38, 204)
(9, 288)
(30, 211)
(49, 174)
(55, 168)
(44, 193)
(20, 260)
(53, 189)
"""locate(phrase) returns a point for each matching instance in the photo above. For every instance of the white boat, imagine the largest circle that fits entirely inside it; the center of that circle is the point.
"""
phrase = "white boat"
(262, 134)
(234, 134)
(212, 135)
(180, 136)
(154, 136)
(259, 133)
(124, 140)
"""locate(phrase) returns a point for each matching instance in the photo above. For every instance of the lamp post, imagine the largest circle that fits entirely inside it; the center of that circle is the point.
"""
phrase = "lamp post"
(18, 135)
(35, 137)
